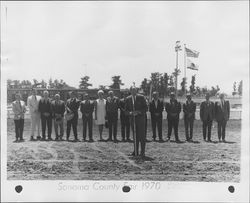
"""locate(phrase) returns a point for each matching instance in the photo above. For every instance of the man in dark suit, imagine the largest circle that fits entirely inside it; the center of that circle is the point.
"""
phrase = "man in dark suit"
(156, 109)
(112, 106)
(58, 109)
(72, 106)
(189, 109)
(173, 109)
(44, 107)
(125, 124)
(135, 106)
(207, 116)
(87, 109)
(222, 114)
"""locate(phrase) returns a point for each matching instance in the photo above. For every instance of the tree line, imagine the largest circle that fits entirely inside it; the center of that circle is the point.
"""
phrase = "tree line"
(161, 82)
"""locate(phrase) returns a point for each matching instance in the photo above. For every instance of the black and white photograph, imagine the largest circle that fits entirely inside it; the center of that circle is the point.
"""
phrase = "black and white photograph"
(147, 93)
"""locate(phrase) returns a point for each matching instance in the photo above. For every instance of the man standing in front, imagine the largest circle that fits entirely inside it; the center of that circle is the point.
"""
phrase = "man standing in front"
(207, 116)
(135, 106)
(125, 124)
(87, 109)
(222, 114)
(32, 103)
(72, 106)
(156, 109)
(112, 106)
(58, 109)
(173, 109)
(189, 109)
(45, 109)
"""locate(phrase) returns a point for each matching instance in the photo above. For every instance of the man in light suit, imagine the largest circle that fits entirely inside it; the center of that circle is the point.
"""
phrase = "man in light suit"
(135, 107)
(189, 109)
(32, 103)
(58, 109)
(18, 108)
(207, 116)
(222, 114)
(156, 109)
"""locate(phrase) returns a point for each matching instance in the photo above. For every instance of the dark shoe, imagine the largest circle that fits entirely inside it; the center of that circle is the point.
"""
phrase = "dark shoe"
(223, 140)
(123, 140)
(56, 139)
(38, 137)
(22, 140)
(16, 140)
(83, 140)
(50, 139)
(76, 140)
(109, 139)
(209, 140)
(91, 140)
(154, 139)
(32, 138)
(161, 140)
(129, 140)
(142, 156)
(177, 141)
(116, 141)
(43, 139)
(167, 139)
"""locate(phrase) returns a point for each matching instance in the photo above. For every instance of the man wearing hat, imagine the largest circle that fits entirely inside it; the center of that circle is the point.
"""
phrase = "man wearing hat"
(173, 108)
(58, 109)
(222, 114)
(189, 109)
(72, 106)
(207, 116)
(87, 109)
(156, 109)
(135, 107)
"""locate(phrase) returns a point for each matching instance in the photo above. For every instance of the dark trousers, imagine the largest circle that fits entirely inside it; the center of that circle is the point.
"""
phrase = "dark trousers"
(73, 122)
(189, 124)
(140, 135)
(207, 125)
(146, 125)
(157, 122)
(112, 124)
(125, 126)
(222, 129)
(87, 121)
(19, 128)
(46, 122)
(173, 123)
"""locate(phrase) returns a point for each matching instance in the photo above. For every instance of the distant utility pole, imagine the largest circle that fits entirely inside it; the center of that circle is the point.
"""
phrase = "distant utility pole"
(177, 70)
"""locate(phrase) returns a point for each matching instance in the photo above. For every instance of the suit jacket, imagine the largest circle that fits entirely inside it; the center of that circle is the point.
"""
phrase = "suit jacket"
(87, 107)
(19, 109)
(45, 107)
(207, 111)
(222, 112)
(73, 105)
(122, 106)
(33, 103)
(140, 104)
(112, 105)
(153, 109)
(173, 108)
(58, 108)
(189, 110)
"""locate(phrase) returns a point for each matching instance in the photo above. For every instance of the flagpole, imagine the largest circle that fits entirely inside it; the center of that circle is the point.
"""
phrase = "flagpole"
(185, 66)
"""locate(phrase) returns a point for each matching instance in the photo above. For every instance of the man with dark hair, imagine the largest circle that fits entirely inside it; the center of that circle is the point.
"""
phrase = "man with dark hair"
(45, 109)
(87, 109)
(72, 106)
(173, 109)
(189, 108)
(112, 106)
(207, 116)
(124, 118)
(156, 109)
(222, 114)
(135, 106)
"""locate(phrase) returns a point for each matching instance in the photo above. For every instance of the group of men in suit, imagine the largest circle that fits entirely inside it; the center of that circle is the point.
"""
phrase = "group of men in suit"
(133, 110)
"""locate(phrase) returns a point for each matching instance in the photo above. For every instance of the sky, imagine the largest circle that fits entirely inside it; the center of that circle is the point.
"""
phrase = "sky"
(68, 40)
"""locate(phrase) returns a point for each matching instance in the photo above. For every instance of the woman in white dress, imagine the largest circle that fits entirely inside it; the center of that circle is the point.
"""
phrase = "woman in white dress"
(100, 112)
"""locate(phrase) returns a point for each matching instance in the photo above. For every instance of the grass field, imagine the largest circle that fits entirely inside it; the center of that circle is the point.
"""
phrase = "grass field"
(168, 161)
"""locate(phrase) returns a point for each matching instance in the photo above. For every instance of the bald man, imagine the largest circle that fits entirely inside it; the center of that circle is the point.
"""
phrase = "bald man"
(58, 109)
(45, 109)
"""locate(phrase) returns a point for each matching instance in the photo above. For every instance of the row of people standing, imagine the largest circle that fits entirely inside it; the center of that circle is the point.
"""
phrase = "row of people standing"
(106, 113)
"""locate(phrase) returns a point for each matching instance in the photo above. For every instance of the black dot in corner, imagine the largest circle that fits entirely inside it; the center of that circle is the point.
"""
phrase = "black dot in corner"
(231, 189)
(125, 188)
(18, 188)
